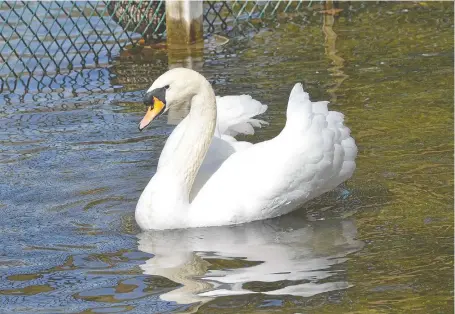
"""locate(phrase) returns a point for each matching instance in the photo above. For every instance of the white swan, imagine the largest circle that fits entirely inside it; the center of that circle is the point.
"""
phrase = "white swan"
(206, 178)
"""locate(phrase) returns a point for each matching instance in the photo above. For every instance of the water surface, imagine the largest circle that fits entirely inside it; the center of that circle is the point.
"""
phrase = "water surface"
(73, 165)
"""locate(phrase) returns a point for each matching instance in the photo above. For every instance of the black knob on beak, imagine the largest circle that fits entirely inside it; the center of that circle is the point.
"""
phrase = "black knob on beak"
(148, 99)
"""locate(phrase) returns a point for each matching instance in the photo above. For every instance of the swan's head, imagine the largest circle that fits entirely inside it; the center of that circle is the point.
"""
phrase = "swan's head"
(171, 88)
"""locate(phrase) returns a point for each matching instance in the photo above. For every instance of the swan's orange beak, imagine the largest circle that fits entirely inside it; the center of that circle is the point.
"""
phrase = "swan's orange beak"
(152, 111)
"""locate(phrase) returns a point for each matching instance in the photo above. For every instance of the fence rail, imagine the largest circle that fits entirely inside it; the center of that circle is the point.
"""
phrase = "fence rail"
(40, 41)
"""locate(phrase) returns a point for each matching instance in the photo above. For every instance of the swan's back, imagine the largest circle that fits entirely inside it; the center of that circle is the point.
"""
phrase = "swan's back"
(313, 154)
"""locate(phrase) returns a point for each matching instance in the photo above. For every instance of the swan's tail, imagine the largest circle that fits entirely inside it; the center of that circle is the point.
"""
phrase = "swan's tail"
(235, 115)
(326, 140)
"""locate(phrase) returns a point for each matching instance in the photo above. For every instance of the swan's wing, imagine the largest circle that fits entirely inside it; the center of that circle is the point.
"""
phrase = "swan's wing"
(235, 115)
(313, 154)
(328, 142)
(218, 152)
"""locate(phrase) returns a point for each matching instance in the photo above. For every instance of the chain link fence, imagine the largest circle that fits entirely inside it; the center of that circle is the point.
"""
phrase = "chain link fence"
(60, 45)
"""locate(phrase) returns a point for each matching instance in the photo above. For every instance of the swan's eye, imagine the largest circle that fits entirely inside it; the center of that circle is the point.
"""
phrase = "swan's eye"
(166, 87)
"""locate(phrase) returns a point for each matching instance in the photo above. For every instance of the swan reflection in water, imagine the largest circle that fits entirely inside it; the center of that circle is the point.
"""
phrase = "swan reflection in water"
(288, 248)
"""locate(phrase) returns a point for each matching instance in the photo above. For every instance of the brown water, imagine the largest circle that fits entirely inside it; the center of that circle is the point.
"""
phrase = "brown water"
(74, 166)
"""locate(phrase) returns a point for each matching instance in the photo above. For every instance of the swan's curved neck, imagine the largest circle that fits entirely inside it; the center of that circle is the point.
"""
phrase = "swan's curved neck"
(194, 143)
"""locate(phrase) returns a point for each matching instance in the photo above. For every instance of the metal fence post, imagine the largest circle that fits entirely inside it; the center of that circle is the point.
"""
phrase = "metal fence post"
(184, 22)
(184, 34)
